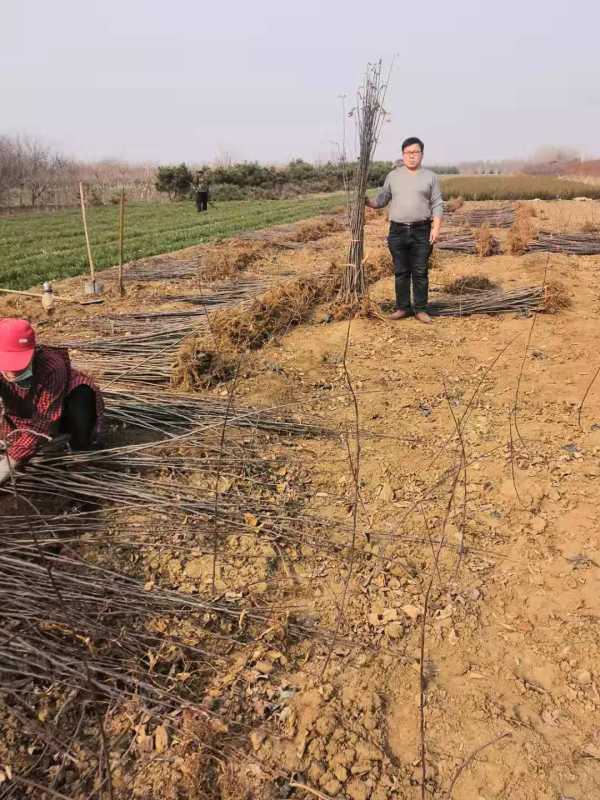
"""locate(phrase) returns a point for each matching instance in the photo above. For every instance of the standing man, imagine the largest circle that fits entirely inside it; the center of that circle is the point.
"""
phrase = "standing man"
(415, 220)
(202, 190)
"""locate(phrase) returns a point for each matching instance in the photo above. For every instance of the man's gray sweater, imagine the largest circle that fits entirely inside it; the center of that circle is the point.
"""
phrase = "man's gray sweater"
(414, 196)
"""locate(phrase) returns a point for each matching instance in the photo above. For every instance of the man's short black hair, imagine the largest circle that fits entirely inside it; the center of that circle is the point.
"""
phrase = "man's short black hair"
(412, 140)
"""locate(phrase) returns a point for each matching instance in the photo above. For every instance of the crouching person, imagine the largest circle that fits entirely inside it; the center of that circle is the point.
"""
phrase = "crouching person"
(42, 396)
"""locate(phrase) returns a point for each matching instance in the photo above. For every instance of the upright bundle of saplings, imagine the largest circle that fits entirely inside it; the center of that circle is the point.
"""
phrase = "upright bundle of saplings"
(369, 115)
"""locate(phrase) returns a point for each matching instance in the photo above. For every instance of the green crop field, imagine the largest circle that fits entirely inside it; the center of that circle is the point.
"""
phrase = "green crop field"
(35, 247)
(40, 246)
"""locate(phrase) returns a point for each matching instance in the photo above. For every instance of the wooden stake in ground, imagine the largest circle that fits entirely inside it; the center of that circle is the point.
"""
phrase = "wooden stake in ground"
(121, 235)
(87, 236)
(369, 115)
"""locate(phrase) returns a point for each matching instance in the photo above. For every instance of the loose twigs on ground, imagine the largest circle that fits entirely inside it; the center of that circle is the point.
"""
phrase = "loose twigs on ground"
(355, 469)
(172, 414)
(230, 396)
(464, 463)
(43, 789)
(468, 761)
(515, 407)
(469, 284)
(310, 790)
(149, 353)
(513, 416)
(585, 394)
(104, 758)
(422, 679)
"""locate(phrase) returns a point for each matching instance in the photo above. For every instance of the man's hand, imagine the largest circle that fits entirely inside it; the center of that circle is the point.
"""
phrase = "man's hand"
(435, 230)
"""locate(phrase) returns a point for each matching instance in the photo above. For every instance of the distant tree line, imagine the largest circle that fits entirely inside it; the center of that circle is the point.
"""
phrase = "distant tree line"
(28, 170)
(250, 179)
(33, 175)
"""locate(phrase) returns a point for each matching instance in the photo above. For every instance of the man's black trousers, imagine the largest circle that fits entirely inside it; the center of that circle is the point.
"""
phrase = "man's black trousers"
(79, 417)
(410, 249)
(202, 201)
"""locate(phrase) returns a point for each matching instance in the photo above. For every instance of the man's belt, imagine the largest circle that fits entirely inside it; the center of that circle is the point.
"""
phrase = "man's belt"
(412, 224)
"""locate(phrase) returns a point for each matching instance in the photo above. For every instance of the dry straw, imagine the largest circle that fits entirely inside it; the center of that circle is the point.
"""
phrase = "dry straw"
(311, 231)
(210, 357)
(522, 231)
(273, 314)
(525, 210)
(218, 262)
(285, 306)
(485, 243)
(454, 204)
(470, 283)
(589, 226)
(556, 297)
(435, 260)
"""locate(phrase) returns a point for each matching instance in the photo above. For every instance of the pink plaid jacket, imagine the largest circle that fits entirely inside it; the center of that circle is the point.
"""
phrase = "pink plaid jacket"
(38, 408)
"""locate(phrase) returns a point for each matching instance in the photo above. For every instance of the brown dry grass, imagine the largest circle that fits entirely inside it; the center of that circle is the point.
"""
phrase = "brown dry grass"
(366, 309)
(226, 262)
(197, 764)
(284, 306)
(454, 204)
(485, 243)
(589, 226)
(525, 209)
(435, 260)
(272, 314)
(378, 264)
(310, 231)
(198, 366)
(208, 359)
(470, 283)
(522, 230)
(556, 297)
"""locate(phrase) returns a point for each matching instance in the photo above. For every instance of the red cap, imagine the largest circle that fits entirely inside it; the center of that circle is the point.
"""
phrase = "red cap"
(17, 344)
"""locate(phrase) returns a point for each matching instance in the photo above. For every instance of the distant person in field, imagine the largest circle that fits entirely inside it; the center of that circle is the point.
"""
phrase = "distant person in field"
(416, 208)
(202, 192)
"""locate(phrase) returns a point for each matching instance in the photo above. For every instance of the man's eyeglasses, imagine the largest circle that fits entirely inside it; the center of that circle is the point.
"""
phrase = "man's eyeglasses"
(412, 152)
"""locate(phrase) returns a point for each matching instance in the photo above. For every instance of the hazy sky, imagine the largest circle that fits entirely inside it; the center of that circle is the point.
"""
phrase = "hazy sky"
(168, 80)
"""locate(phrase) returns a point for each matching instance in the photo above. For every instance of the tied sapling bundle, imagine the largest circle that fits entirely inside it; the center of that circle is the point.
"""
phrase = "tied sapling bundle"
(549, 298)
(369, 115)
(577, 244)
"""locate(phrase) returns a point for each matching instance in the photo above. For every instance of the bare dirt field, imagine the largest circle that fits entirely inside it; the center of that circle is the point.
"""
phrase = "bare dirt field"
(450, 552)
